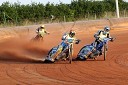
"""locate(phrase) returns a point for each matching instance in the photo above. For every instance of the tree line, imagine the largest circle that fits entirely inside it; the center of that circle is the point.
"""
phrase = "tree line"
(37, 12)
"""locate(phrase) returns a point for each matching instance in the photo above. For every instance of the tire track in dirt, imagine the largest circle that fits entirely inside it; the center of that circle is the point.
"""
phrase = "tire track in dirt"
(45, 79)
(79, 75)
(5, 78)
(29, 73)
(56, 73)
(91, 73)
(98, 75)
(123, 60)
(13, 75)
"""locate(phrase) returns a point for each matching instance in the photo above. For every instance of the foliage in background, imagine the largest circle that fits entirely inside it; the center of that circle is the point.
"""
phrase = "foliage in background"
(18, 14)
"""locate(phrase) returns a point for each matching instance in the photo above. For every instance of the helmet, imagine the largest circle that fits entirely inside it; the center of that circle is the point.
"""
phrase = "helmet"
(107, 29)
(42, 26)
(72, 33)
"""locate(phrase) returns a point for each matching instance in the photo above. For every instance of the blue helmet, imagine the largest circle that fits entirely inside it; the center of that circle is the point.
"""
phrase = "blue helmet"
(106, 28)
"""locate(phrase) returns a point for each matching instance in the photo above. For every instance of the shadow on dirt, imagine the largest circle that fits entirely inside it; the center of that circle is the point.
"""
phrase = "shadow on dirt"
(88, 60)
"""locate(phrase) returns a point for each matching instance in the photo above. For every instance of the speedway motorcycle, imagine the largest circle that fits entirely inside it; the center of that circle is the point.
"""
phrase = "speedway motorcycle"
(92, 51)
(39, 37)
(56, 53)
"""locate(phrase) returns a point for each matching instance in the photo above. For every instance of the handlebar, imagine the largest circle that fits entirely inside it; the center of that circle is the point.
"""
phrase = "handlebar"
(77, 41)
(108, 39)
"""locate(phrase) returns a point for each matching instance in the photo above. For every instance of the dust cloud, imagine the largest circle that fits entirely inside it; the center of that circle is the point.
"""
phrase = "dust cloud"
(22, 50)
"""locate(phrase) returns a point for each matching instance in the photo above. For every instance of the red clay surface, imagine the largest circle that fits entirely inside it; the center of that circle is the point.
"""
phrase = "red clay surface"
(20, 60)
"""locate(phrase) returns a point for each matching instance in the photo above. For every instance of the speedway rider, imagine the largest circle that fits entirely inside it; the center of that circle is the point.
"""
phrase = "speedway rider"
(67, 38)
(41, 31)
(99, 36)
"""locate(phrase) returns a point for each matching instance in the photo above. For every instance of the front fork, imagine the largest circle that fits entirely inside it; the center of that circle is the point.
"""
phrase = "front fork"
(70, 53)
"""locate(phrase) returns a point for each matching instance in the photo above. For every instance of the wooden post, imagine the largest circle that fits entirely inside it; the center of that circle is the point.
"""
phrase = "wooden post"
(64, 19)
(4, 18)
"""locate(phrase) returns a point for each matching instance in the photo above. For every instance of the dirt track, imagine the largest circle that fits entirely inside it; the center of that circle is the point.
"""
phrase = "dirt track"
(20, 61)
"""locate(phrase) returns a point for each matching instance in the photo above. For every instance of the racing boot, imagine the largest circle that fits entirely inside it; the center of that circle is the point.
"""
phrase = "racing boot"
(48, 59)
(64, 57)
(95, 58)
(100, 52)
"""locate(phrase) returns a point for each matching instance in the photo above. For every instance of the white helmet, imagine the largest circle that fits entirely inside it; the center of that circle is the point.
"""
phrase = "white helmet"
(106, 28)
(42, 26)
(72, 33)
